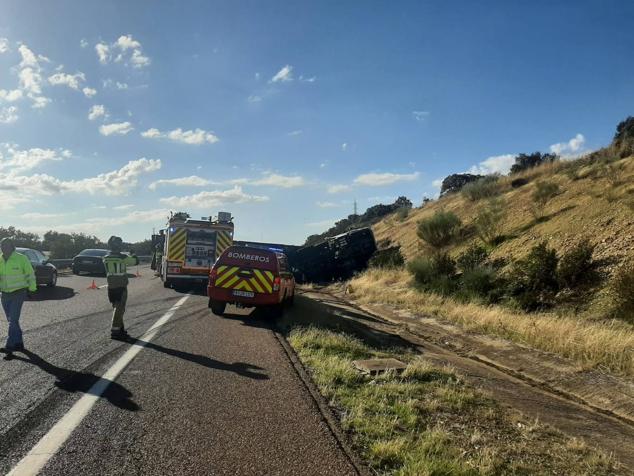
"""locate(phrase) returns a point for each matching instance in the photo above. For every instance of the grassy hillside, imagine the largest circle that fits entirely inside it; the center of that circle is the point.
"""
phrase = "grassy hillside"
(594, 201)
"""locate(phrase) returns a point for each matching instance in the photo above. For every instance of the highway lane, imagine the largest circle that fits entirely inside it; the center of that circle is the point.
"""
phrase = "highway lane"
(207, 395)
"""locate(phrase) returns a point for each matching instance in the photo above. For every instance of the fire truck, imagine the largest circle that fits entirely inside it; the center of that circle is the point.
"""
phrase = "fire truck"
(191, 247)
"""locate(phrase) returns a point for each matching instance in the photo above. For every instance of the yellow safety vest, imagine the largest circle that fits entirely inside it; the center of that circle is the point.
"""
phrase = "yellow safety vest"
(16, 273)
(117, 264)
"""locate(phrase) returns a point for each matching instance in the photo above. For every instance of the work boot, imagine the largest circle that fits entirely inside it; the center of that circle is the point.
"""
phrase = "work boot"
(118, 334)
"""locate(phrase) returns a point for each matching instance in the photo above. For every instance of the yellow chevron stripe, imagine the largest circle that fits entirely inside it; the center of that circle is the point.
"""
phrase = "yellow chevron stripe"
(267, 285)
(244, 284)
(254, 283)
(221, 269)
(270, 276)
(226, 275)
(231, 282)
(176, 245)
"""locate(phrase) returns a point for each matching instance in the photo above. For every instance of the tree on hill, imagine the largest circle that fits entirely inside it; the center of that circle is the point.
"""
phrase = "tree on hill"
(623, 141)
(528, 161)
(455, 182)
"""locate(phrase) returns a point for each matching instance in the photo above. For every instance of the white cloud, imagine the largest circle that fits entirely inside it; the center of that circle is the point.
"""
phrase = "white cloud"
(570, 149)
(321, 224)
(30, 59)
(17, 160)
(30, 78)
(283, 75)
(339, 188)
(10, 95)
(211, 199)
(39, 102)
(344, 146)
(310, 79)
(327, 205)
(123, 207)
(125, 49)
(420, 115)
(497, 164)
(377, 180)
(8, 114)
(41, 216)
(83, 43)
(117, 182)
(137, 216)
(296, 132)
(73, 81)
(254, 98)
(111, 83)
(30, 81)
(89, 92)
(4, 45)
(282, 181)
(191, 181)
(98, 110)
(192, 137)
(118, 128)
(437, 183)
(103, 52)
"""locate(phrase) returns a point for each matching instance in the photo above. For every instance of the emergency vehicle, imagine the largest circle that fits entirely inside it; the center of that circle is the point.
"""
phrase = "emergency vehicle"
(191, 247)
(250, 277)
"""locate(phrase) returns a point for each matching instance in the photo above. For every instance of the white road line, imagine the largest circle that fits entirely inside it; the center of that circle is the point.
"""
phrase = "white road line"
(50, 443)
(102, 286)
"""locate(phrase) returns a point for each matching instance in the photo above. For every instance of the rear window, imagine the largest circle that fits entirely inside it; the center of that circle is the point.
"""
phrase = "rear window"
(94, 253)
(249, 258)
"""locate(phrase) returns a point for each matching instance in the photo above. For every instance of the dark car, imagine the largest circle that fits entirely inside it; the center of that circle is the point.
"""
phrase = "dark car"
(45, 272)
(90, 261)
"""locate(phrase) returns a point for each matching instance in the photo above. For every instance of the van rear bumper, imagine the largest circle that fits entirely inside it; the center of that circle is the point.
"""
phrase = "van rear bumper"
(226, 295)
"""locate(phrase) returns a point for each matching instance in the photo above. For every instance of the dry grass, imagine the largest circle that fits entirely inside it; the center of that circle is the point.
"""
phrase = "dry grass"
(608, 345)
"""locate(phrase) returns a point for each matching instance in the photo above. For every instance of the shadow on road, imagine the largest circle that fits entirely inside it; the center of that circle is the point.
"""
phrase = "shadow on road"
(53, 294)
(83, 382)
(240, 368)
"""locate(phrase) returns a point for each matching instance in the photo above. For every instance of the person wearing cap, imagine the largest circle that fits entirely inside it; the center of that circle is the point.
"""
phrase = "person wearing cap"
(116, 264)
(16, 280)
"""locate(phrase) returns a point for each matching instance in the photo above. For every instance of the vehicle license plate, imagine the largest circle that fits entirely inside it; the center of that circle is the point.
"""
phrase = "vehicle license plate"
(241, 293)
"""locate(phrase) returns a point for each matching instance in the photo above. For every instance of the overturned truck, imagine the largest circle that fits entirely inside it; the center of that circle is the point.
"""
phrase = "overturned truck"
(338, 257)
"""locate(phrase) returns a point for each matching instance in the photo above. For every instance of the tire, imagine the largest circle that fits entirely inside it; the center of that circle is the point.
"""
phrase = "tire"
(167, 284)
(53, 282)
(217, 307)
(291, 299)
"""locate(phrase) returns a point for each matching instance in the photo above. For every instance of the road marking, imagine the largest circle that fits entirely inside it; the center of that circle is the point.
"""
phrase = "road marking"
(50, 443)
(102, 286)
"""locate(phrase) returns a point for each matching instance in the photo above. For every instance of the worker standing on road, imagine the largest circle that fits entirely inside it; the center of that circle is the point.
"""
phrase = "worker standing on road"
(16, 280)
(116, 264)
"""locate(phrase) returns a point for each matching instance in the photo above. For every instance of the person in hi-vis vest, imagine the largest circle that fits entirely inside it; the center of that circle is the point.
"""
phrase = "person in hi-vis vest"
(116, 264)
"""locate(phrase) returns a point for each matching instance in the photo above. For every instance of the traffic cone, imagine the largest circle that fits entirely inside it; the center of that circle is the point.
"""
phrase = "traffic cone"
(93, 285)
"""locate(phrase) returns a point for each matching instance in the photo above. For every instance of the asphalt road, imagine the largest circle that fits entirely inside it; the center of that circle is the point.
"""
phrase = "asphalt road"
(203, 395)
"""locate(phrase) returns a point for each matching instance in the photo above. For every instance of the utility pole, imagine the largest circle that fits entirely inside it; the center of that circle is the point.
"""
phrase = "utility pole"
(355, 207)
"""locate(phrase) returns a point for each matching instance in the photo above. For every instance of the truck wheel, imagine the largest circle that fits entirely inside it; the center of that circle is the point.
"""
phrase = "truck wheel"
(217, 307)
(290, 300)
(167, 284)
(53, 282)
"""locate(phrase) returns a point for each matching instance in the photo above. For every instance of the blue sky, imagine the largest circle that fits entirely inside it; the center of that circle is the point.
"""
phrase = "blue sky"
(284, 113)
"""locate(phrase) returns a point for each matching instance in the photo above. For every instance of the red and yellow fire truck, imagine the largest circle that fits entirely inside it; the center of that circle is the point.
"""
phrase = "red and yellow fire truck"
(191, 247)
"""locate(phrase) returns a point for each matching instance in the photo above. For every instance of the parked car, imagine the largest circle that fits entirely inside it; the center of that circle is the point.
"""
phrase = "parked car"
(90, 261)
(250, 277)
(45, 271)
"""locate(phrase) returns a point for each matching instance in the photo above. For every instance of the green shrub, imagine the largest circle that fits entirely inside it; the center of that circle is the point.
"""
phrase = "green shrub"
(485, 187)
(479, 282)
(543, 193)
(622, 290)
(387, 258)
(474, 257)
(439, 230)
(576, 267)
(436, 273)
(533, 280)
(489, 219)
(402, 213)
